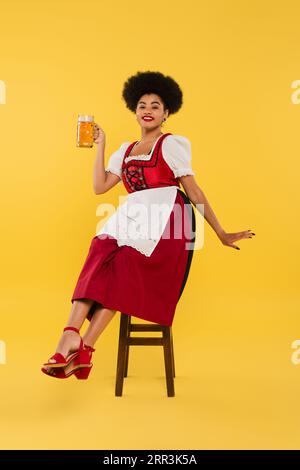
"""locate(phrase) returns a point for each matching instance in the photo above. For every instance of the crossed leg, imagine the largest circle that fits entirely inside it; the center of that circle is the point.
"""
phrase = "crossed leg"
(70, 340)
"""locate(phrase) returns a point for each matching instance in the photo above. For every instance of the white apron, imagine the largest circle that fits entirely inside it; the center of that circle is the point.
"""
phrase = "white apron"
(140, 221)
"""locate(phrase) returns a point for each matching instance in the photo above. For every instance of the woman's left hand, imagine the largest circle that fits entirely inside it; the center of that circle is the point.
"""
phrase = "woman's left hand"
(228, 239)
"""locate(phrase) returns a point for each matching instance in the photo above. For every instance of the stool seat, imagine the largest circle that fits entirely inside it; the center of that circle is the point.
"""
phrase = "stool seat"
(125, 341)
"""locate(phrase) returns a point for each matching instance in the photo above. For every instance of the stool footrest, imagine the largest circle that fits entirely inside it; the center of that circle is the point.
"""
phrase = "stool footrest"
(141, 327)
(133, 341)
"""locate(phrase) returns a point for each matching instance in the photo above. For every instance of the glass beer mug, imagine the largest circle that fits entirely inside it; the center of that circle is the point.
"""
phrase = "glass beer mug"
(85, 130)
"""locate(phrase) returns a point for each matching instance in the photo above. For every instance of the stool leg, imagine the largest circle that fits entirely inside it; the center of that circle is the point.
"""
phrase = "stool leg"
(127, 346)
(121, 354)
(172, 351)
(168, 361)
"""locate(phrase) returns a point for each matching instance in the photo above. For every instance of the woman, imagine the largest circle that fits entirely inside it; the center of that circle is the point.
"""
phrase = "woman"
(130, 270)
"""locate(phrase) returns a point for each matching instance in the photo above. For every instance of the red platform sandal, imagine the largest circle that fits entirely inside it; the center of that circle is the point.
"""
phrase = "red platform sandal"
(67, 366)
(84, 371)
(61, 361)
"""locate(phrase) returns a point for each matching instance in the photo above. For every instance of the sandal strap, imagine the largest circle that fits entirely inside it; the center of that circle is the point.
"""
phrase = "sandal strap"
(89, 348)
(71, 328)
(59, 358)
(81, 346)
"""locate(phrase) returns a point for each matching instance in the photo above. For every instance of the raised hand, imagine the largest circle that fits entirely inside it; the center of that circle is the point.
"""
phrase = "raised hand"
(228, 239)
(99, 135)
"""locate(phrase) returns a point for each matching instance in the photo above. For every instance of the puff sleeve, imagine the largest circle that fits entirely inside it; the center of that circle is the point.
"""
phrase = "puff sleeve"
(116, 159)
(176, 151)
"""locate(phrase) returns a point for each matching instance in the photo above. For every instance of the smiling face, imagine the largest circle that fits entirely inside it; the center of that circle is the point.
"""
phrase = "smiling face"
(151, 105)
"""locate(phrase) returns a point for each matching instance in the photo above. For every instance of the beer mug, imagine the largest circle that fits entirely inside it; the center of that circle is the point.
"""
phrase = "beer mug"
(85, 130)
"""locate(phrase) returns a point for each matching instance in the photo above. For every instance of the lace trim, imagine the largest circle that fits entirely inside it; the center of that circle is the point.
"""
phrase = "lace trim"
(183, 172)
(142, 156)
(132, 245)
(115, 172)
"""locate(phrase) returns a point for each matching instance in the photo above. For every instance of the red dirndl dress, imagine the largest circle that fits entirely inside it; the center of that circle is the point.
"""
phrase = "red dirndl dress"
(124, 279)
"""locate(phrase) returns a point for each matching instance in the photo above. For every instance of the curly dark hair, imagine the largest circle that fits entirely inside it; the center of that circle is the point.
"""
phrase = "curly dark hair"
(152, 82)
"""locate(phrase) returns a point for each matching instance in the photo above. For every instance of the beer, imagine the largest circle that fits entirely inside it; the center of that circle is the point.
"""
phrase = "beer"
(85, 130)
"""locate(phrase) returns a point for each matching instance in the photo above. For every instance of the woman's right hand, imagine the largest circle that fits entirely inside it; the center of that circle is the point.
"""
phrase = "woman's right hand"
(99, 135)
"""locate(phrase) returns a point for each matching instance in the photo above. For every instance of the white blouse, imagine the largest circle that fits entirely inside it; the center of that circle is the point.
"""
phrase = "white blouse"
(140, 221)
(176, 151)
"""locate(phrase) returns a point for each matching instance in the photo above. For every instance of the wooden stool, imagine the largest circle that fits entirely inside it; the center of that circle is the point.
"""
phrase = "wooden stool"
(125, 340)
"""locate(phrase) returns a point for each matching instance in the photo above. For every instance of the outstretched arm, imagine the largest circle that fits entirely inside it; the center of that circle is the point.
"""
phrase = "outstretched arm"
(196, 196)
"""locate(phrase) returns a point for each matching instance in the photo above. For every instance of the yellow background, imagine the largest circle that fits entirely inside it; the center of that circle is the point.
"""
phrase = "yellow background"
(236, 386)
